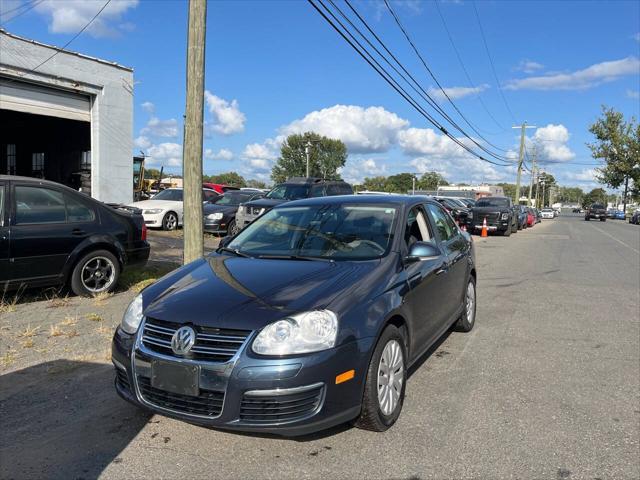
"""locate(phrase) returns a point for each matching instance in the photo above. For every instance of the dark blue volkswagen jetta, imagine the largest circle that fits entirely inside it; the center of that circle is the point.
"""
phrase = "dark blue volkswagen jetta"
(306, 319)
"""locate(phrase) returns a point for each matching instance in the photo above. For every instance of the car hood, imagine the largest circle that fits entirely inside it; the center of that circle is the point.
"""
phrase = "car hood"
(249, 293)
(213, 208)
(149, 204)
(267, 203)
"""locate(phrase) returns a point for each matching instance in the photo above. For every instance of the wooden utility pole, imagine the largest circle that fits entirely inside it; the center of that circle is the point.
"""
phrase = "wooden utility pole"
(533, 172)
(192, 161)
(523, 128)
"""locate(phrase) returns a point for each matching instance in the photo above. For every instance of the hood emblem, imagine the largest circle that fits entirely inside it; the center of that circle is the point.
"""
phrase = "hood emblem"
(182, 340)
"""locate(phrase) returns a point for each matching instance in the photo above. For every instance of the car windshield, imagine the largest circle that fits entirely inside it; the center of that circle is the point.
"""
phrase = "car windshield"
(492, 202)
(289, 192)
(172, 194)
(597, 205)
(328, 231)
(233, 198)
(547, 209)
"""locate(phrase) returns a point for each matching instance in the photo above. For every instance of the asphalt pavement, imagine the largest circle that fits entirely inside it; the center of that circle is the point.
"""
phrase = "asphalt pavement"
(546, 386)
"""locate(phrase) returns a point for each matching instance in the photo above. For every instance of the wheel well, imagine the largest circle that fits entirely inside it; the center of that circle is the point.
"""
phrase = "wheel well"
(92, 248)
(401, 325)
(473, 274)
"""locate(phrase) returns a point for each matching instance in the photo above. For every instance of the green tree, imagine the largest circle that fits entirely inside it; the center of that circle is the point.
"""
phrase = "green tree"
(375, 184)
(251, 183)
(152, 173)
(430, 181)
(570, 194)
(326, 156)
(597, 195)
(229, 178)
(509, 190)
(618, 144)
(399, 183)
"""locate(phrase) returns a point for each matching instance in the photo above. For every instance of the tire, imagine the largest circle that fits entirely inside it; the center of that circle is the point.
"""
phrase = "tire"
(586, 219)
(507, 232)
(514, 227)
(170, 221)
(373, 416)
(603, 219)
(232, 228)
(84, 279)
(520, 226)
(468, 318)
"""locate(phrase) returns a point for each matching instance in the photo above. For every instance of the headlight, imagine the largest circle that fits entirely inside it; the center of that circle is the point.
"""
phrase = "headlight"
(505, 216)
(215, 216)
(133, 316)
(153, 211)
(302, 333)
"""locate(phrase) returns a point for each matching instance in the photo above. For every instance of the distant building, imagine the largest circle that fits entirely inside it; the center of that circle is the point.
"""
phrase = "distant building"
(70, 120)
(471, 191)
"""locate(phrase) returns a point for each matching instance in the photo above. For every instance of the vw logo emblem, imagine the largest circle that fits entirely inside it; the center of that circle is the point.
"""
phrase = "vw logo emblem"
(182, 340)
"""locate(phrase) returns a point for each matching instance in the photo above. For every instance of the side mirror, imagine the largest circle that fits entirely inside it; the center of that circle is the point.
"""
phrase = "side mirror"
(420, 251)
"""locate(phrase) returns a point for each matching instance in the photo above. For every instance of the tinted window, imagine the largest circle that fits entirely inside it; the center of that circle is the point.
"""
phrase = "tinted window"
(39, 205)
(289, 192)
(318, 191)
(333, 189)
(345, 189)
(442, 221)
(233, 198)
(208, 195)
(77, 211)
(171, 194)
(492, 202)
(1, 204)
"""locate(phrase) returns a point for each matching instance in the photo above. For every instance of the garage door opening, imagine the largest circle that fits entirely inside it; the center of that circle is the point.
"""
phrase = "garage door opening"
(42, 146)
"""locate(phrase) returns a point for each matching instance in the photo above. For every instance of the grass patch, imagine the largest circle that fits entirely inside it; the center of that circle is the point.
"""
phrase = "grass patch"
(100, 298)
(102, 330)
(29, 332)
(138, 278)
(55, 331)
(7, 359)
(94, 317)
(69, 321)
(71, 333)
(28, 343)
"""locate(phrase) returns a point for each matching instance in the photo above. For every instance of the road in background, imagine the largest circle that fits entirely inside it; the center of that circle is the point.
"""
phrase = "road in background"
(547, 385)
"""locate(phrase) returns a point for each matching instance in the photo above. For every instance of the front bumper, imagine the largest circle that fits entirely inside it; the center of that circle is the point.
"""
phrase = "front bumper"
(153, 220)
(247, 372)
(215, 226)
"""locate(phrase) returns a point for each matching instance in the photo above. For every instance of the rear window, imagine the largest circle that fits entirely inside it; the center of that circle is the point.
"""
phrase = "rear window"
(492, 202)
(597, 205)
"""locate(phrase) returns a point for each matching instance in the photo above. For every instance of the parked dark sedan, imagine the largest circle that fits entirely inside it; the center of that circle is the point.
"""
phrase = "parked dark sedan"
(53, 235)
(220, 213)
(308, 318)
(456, 209)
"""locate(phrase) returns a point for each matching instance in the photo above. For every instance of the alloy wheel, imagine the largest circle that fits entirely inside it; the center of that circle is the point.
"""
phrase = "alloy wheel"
(390, 377)
(170, 221)
(98, 274)
(471, 303)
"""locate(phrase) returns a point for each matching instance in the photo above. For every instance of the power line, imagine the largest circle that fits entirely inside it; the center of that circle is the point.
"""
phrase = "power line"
(422, 93)
(424, 63)
(30, 6)
(493, 68)
(59, 50)
(373, 63)
(464, 69)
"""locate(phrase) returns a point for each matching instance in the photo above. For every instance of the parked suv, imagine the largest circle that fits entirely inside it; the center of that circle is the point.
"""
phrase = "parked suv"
(596, 211)
(53, 235)
(295, 188)
(500, 214)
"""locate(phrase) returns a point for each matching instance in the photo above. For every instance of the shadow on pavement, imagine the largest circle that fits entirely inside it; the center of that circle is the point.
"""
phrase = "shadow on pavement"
(63, 419)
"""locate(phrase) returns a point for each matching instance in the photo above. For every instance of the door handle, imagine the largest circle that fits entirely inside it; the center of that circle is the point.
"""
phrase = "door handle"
(442, 269)
(77, 232)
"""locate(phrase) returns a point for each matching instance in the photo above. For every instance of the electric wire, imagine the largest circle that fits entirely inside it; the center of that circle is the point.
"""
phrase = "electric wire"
(30, 6)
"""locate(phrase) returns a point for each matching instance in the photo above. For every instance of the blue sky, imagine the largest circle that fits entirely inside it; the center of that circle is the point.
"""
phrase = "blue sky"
(276, 67)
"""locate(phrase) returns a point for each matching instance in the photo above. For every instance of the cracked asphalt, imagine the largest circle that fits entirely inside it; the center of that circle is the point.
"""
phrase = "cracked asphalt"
(546, 386)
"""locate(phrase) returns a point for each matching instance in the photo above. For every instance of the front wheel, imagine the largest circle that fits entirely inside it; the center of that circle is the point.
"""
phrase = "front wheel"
(586, 219)
(603, 219)
(232, 228)
(95, 273)
(170, 221)
(507, 232)
(385, 384)
(468, 318)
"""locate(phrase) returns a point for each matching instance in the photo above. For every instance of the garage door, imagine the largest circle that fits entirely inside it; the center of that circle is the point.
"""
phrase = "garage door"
(38, 100)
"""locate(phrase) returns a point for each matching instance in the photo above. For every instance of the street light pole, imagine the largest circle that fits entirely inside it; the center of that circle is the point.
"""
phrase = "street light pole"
(307, 146)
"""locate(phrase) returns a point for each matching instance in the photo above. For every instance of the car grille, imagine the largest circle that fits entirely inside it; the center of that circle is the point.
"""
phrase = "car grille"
(279, 408)
(212, 344)
(208, 403)
(122, 380)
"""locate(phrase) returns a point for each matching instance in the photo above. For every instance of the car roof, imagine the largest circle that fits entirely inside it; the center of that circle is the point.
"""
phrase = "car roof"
(359, 199)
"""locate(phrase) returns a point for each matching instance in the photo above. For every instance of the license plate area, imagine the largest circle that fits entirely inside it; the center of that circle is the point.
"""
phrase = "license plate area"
(174, 377)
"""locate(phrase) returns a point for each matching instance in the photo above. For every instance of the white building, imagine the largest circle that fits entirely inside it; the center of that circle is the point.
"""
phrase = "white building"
(472, 191)
(70, 120)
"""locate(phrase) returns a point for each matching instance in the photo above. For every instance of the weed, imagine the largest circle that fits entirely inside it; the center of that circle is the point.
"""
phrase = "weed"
(55, 301)
(7, 359)
(29, 332)
(28, 343)
(55, 331)
(72, 333)
(69, 321)
(94, 317)
(138, 278)
(100, 298)
(102, 330)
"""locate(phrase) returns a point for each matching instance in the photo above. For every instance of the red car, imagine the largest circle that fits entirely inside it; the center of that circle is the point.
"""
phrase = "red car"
(219, 187)
(531, 218)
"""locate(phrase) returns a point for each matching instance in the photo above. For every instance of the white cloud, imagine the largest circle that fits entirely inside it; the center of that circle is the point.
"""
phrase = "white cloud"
(529, 66)
(222, 154)
(356, 169)
(635, 94)
(586, 175)
(166, 154)
(551, 142)
(260, 157)
(425, 141)
(69, 16)
(362, 130)
(636, 37)
(161, 128)
(142, 142)
(148, 107)
(580, 79)
(456, 92)
(228, 119)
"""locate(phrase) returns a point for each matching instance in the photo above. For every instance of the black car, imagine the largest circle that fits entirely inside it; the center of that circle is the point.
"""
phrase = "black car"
(499, 212)
(635, 218)
(458, 211)
(308, 318)
(53, 235)
(294, 188)
(597, 211)
(220, 213)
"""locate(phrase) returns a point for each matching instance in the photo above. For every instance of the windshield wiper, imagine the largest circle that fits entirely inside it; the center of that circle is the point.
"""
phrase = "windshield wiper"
(234, 251)
(295, 257)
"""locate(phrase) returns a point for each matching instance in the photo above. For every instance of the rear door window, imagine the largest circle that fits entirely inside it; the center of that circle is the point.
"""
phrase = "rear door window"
(78, 211)
(445, 227)
(318, 191)
(39, 205)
